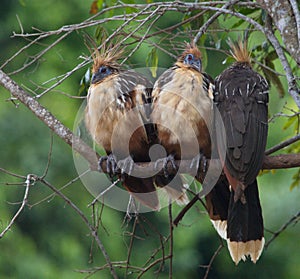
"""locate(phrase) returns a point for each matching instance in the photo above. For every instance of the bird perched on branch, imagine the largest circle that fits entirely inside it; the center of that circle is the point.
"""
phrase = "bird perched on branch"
(182, 110)
(116, 116)
(241, 96)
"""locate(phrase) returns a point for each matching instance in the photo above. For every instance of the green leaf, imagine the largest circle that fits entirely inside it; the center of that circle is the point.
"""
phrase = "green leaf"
(152, 61)
(22, 3)
(296, 180)
(272, 76)
(84, 83)
(100, 34)
(290, 122)
(187, 25)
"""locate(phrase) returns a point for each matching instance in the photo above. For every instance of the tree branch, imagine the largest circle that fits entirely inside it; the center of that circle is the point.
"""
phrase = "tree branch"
(49, 119)
(271, 162)
(286, 19)
(28, 183)
(282, 144)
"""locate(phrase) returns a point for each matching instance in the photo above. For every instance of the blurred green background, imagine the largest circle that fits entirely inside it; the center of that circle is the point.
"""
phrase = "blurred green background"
(49, 240)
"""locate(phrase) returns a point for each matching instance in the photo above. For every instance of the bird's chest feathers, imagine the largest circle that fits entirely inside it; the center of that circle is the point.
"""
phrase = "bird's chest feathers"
(102, 113)
(186, 103)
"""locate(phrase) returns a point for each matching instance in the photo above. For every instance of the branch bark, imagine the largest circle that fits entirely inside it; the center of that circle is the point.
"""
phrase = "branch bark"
(49, 119)
(271, 162)
(286, 18)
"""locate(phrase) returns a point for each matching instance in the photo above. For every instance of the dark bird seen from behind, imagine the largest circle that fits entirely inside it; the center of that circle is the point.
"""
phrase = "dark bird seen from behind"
(241, 96)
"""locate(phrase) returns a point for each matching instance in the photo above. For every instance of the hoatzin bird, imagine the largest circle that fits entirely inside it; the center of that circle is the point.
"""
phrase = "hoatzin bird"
(241, 96)
(116, 117)
(182, 110)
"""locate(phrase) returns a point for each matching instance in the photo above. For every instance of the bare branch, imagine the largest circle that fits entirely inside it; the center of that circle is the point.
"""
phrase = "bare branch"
(292, 220)
(86, 221)
(171, 242)
(209, 266)
(28, 183)
(204, 27)
(274, 162)
(53, 123)
(287, 22)
(283, 144)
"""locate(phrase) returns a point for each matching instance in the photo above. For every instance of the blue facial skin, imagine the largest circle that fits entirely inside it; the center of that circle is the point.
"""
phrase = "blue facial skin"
(102, 72)
(193, 62)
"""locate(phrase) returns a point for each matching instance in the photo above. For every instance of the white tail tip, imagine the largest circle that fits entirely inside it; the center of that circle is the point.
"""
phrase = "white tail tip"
(240, 250)
(221, 227)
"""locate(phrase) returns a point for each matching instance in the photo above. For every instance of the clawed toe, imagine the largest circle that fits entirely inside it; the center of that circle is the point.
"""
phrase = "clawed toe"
(126, 165)
(200, 162)
(165, 162)
(111, 164)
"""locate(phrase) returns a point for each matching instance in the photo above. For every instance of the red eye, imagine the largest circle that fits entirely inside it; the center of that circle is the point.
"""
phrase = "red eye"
(102, 70)
(190, 57)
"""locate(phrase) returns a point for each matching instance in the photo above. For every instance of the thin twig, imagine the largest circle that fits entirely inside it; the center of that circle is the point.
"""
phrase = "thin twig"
(104, 192)
(86, 221)
(132, 237)
(294, 219)
(186, 209)
(204, 27)
(171, 241)
(209, 266)
(154, 263)
(282, 145)
(28, 183)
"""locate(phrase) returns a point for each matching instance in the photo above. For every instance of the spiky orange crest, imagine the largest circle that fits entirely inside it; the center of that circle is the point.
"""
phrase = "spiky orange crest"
(190, 48)
(239, 51)
(106, 55)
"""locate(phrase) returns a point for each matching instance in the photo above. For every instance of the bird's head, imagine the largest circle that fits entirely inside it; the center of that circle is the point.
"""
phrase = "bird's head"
(105, 62)
(101, 72)
(191, 58)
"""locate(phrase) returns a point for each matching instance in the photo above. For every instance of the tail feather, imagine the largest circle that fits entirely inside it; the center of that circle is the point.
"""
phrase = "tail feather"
(217, 202)
(245, 235)
(174, 187)
(144, 190)
(238, 221)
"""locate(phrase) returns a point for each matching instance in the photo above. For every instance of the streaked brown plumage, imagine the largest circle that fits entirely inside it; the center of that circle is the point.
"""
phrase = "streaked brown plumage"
(241, 95)
(182, 108)
(116, 116)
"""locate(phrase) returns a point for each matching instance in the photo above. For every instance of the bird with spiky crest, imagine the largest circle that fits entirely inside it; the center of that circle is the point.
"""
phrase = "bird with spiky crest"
(182, 111)
(241, 96)
(117, 117)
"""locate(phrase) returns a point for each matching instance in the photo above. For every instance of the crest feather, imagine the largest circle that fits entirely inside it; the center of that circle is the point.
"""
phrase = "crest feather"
(190, 48)
(105, 54)
(239, 51)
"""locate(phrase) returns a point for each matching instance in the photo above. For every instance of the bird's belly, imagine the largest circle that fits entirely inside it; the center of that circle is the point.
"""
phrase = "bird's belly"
(184, 126)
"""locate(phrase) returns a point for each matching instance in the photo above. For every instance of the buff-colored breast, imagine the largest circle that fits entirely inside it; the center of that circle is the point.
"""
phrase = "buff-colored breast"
(183, 113)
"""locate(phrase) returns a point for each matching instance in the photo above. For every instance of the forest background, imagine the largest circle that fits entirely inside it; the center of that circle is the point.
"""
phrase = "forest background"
(50, 238)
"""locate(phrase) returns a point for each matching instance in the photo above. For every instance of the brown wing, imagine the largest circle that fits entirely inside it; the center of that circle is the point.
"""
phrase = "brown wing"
(133, 99)
(241, 95)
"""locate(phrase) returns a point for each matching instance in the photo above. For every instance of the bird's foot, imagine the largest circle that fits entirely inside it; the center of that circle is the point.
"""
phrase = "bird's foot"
(165, 161)
(126, 166)
(200, 162)
(111, 164)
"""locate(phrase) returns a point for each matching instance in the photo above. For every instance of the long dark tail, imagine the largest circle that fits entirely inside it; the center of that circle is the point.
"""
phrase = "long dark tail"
(245, 229)
(238, 221)
(217, 202)
(142, 189)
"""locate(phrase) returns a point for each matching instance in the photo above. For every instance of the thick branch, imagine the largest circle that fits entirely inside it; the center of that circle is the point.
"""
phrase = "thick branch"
(286, 19)
(53, 123)
(270, 162)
